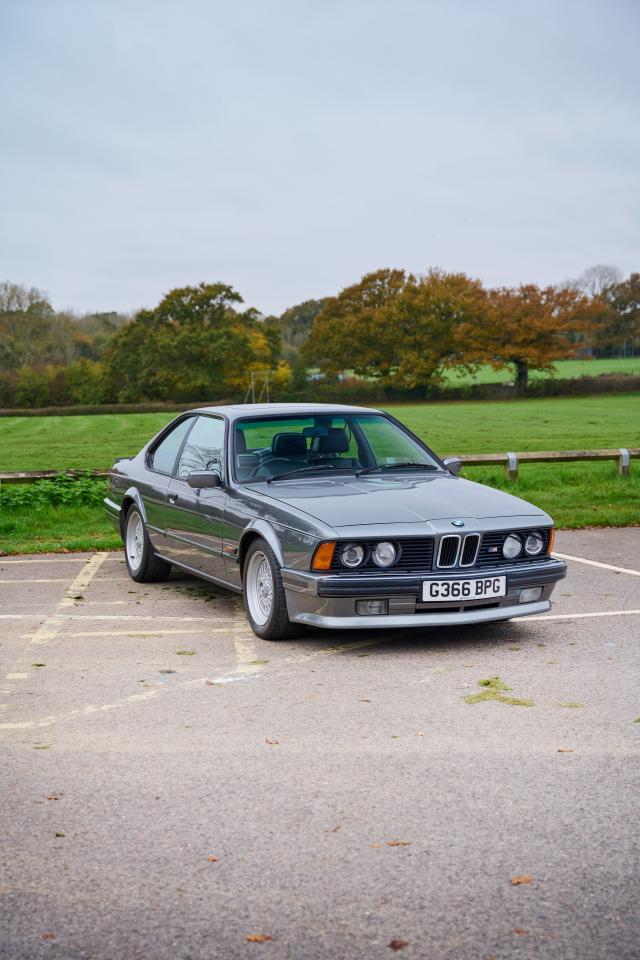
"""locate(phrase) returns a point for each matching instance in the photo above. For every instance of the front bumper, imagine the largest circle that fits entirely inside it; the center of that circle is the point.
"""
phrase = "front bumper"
(325, 600)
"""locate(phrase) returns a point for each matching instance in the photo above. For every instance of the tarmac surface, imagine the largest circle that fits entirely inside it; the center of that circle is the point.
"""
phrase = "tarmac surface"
(172, 786)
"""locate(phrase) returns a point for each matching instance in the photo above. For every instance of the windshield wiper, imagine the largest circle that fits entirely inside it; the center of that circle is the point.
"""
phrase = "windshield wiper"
(396, 466)
(316, 467)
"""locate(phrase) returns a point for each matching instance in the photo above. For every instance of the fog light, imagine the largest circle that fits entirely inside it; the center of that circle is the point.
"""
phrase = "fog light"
(368, 608)
(530, 594)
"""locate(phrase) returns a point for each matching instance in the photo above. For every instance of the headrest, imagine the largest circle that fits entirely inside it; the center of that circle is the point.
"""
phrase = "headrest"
(241, 442)
(289, 445)
(336, 441)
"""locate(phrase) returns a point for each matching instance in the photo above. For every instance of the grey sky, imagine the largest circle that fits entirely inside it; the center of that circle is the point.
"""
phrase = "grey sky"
(287, 148)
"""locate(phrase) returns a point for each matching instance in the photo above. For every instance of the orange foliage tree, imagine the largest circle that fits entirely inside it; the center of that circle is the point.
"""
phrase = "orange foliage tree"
(395, 327)
(529, 328)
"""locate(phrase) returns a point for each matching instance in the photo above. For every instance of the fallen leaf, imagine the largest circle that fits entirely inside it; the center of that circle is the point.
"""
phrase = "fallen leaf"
(258, 937)
(272, 743)
(38, 664)
(258, 663)
(376, 846)
(186, 653)
(362, 700)
(52, 796)
(335, 829)
(212, 859)
(398, 843)
(48, 936)
(59, 833)
(525, 878)
(565, 750)
(398, 944)
(520, 931)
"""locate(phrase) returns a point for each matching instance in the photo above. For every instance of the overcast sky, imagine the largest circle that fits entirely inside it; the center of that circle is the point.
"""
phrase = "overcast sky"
(286, 148)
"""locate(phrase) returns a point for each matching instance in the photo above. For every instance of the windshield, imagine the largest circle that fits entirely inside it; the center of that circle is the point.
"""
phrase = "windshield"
(268, 448)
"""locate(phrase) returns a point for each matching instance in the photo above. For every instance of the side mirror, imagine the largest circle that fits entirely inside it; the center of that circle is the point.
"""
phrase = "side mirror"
(204, 480)
(453, 465)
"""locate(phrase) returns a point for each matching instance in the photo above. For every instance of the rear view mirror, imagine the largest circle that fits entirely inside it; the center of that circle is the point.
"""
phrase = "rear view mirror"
(453, 465)
(204, 480)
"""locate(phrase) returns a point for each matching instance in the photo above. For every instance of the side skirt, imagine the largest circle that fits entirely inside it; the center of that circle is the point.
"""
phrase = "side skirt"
(201, 575)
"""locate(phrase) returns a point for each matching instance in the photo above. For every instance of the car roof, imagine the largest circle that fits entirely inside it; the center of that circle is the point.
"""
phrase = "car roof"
(236, 411)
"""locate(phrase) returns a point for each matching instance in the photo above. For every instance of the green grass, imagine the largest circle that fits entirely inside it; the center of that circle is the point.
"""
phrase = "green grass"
(576, 495)
(564, 369)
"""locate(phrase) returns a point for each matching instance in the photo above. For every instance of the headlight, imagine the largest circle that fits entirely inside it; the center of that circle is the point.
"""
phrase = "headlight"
(511, 547)
(384, 554)
(534, 544)
(352, 555)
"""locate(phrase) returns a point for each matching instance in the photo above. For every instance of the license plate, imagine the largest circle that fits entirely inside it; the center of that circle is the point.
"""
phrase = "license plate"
(480, 588)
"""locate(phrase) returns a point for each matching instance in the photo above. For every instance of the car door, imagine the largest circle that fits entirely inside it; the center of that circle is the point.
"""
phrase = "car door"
(194, 518)
(154, 484)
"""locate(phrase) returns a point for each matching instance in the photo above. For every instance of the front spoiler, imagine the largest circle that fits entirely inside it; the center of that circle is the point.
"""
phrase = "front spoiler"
(440, 619)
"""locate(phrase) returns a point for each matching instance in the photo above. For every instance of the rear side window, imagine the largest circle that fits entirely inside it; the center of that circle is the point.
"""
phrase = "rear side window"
(164, 456)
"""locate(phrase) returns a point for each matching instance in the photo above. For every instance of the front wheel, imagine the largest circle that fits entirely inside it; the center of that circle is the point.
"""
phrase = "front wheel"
(142, 563)
(264, 597)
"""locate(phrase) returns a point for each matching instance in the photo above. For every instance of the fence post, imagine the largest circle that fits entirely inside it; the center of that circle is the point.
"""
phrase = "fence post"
(624, 461)
(511, 466)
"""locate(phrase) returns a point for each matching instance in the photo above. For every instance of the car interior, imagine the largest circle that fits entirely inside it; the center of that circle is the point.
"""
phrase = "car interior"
(288, 450)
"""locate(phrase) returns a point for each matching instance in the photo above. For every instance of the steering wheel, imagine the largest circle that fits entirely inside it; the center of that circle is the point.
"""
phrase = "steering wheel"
(259, 466)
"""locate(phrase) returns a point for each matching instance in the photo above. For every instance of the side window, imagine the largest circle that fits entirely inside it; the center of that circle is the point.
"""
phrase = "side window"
(164, 456)
(204, 449)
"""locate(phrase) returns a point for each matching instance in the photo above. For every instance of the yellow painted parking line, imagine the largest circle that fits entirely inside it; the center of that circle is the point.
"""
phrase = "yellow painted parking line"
(597, 563)
(83, 579)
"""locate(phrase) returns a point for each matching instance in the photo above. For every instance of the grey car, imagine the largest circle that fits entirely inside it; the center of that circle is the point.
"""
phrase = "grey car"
(328, 516)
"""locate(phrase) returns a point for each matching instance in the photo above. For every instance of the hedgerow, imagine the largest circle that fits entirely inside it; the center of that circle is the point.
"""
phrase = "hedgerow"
(68, 491)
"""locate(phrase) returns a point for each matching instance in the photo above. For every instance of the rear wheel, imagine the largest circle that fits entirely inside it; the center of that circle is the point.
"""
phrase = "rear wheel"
(142, 562)
(264, 597)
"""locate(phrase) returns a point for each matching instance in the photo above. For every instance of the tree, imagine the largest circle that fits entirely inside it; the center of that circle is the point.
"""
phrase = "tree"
(621, 331)
(596, 280)
(194, 344)
(26, 318)
(529, 328)
(395, 327)
(296, 323)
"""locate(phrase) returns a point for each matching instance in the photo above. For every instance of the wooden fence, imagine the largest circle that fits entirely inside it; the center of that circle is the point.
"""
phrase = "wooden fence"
(511, 462)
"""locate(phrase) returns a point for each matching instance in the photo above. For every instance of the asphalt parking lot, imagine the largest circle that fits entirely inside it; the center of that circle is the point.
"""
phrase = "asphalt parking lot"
(172, 786)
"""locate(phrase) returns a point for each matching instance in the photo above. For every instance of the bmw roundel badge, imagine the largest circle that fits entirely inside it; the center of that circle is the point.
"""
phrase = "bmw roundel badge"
(457, 523)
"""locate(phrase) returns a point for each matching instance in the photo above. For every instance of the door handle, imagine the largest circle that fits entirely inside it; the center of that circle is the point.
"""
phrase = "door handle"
(173, 497)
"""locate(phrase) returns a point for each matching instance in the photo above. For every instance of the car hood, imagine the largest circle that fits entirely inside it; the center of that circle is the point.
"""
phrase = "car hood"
(343, 502)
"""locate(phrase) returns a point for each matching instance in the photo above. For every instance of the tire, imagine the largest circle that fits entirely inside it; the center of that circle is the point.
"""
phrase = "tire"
(142, 563)
(264, 598)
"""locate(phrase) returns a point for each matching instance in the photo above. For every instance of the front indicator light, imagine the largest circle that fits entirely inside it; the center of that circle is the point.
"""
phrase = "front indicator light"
(371, 608)
(552, 540)
(384, 554)
(352, 555)
(511, 547)
(534, 544)
(530, 594)
(323, 557)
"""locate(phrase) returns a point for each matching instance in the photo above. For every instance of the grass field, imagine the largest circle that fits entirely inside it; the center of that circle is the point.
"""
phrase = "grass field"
(564, 369)
(576, 495)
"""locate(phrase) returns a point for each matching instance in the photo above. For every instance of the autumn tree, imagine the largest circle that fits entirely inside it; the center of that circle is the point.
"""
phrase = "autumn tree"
(529, 328)
(395, 327)
(198, 342)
